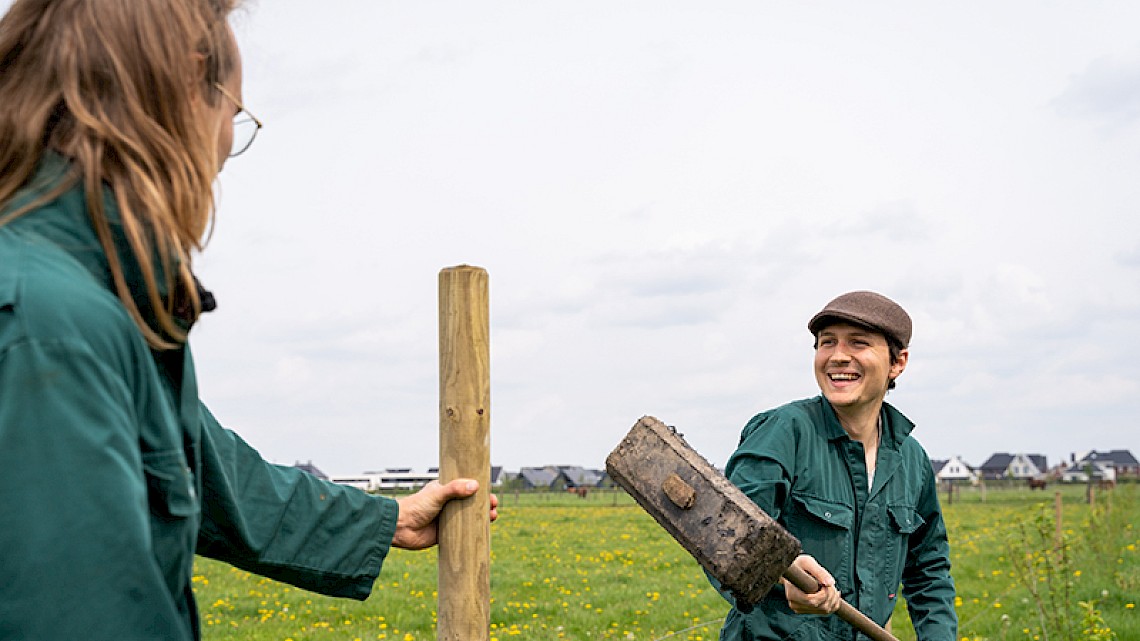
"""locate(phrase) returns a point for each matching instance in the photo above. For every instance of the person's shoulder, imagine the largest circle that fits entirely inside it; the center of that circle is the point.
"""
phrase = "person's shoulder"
(805, 410)
(913, 451)
(46, 295)
(903, 429)
(916, 459)
(790, 417)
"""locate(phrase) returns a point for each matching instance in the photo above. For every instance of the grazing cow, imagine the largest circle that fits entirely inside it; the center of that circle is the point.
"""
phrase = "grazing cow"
(1105, 484)
(580, 491)
(1036, 484)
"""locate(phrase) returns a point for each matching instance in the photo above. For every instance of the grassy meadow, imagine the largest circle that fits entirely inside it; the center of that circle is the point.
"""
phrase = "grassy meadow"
(600, 568)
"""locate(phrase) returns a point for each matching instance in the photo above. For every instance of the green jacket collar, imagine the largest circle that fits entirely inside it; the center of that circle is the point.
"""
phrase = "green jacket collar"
(69, 228)
(896, 427)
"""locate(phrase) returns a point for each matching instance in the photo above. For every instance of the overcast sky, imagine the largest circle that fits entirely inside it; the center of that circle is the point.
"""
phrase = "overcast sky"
(663, 193)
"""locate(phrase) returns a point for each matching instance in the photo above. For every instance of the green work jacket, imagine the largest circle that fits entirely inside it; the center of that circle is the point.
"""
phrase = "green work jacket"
(799, 465)
(112, 472)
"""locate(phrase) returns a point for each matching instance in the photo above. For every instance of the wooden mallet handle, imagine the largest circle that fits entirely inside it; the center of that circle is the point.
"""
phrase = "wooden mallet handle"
(861, 622)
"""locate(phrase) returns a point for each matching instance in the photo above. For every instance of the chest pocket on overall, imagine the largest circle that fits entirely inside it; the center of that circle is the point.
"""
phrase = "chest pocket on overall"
(169, 486)
(824, 529)
(904, 521)
(174, 513)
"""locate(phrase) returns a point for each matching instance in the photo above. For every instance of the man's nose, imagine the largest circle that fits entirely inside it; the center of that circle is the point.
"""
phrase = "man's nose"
(839, 354)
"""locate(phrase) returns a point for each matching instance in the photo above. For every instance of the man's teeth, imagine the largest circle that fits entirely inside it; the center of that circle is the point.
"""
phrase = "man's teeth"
(844, 377)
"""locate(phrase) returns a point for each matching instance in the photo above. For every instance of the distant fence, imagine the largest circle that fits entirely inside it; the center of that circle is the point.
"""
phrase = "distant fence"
(1000, 490)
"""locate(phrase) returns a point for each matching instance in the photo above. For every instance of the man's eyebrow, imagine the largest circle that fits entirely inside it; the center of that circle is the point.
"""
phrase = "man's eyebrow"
(853, 332)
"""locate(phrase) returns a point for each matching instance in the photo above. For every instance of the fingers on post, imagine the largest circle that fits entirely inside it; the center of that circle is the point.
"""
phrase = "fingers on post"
(456, 489)
(461, 488)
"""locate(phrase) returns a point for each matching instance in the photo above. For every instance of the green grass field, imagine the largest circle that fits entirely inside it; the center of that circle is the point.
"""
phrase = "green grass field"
(600, 568)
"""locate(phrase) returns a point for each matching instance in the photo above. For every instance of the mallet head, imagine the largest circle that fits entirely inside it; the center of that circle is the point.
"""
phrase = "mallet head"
(730, 536)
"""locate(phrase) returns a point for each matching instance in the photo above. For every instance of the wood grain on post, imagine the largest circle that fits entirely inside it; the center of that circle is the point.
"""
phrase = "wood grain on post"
(464, 452)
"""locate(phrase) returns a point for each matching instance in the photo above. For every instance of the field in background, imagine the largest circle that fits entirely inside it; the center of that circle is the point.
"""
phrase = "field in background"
(599, 568)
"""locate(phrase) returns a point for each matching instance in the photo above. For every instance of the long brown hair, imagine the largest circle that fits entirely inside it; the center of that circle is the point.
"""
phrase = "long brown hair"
(119, 87)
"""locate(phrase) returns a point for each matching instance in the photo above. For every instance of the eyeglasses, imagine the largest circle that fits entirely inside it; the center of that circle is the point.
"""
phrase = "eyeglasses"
(246, 125)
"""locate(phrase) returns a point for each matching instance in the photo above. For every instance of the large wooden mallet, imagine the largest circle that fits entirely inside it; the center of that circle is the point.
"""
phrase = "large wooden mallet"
(464, 452)
(729, 535)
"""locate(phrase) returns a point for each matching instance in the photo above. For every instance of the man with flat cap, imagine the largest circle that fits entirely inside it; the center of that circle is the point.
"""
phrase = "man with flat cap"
(842, 473)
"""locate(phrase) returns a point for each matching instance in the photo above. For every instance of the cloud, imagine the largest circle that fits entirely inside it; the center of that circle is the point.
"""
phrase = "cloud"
(897, 221)
(1129, 258)
(661, 212)
(443, 54)
(1106, 91)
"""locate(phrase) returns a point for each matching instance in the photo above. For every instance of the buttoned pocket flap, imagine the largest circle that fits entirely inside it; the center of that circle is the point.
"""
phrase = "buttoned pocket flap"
(905, 519)
(830, 512)
(169, 485)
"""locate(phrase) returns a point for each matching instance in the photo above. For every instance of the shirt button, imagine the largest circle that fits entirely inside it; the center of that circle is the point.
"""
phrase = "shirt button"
(827, 514)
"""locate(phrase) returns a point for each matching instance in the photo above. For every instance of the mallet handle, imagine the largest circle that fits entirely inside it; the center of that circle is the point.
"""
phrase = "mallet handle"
(808, 585)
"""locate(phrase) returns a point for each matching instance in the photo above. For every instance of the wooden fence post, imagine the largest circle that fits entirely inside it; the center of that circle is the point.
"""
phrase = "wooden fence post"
(1058, 538)
(464, 452)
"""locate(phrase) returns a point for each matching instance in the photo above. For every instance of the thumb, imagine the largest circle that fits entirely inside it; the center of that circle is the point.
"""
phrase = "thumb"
(456, 489)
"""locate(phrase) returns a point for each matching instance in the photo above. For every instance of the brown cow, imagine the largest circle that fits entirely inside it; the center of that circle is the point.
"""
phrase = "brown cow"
(1036, 484)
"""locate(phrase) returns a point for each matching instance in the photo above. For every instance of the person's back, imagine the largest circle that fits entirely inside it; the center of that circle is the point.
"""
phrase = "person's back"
(72, 366)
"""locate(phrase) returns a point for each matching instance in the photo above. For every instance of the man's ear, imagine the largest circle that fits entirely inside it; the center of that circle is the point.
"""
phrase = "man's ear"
(900, 364)
(197, 80)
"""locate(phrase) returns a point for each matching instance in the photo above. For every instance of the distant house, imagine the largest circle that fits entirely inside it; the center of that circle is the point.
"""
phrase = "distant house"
(540, 478)
(1013, 466)
(400, 478)
(955, 469)
(311, 469)
(1079, 472)
(392, 478)
(579, 476)
(561, 477)
(403, 478)
(937, 464)
(1103, 465)
(361, 482)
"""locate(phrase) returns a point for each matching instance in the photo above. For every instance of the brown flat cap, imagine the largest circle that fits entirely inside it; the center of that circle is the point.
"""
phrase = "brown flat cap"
(868, 309)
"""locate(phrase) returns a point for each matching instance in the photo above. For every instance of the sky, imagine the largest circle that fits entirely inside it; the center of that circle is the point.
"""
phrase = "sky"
(662, 194)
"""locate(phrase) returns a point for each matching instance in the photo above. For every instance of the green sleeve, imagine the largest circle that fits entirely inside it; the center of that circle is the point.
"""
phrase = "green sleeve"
(760, 468)
(76, 554)
(763, 464)
(927, 585)
(286, 524)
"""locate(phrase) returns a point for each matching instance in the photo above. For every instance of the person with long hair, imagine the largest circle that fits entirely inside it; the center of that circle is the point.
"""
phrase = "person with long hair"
(115, 119)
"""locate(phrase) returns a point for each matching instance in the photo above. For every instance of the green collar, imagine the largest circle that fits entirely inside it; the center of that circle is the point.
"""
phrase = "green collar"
(896, 427)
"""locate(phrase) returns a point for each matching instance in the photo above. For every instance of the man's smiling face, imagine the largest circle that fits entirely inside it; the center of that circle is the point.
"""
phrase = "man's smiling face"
(853, 365)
